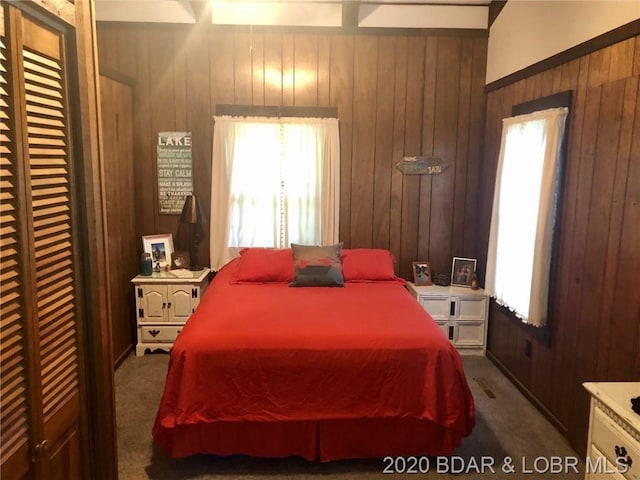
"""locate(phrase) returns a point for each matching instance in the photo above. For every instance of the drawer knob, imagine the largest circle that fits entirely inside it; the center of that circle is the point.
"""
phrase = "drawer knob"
(622, 458)
(154, 333)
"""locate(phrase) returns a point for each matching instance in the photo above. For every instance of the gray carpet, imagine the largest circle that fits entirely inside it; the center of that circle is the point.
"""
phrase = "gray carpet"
(507, 426)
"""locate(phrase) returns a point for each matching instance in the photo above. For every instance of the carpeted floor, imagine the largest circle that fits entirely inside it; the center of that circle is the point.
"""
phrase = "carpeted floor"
(507, 426)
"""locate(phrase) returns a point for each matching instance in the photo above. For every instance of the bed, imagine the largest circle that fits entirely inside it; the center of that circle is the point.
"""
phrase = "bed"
(354, 370)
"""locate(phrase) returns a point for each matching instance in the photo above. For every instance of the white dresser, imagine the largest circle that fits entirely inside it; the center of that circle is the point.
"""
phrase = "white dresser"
(164, 303)
(613, 447)
(460, 312)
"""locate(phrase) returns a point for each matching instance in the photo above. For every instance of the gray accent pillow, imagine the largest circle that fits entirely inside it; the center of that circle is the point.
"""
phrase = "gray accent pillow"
(317, 266)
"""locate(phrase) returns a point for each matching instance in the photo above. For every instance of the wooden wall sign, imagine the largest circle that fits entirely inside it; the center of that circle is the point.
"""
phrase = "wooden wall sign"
(421, 165)
(175, 177)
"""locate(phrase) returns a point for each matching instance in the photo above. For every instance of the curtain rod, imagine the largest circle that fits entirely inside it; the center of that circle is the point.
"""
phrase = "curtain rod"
(275, 111)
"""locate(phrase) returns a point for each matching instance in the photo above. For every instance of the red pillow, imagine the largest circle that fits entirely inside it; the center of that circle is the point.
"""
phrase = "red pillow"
(367, 265)
(265, 265)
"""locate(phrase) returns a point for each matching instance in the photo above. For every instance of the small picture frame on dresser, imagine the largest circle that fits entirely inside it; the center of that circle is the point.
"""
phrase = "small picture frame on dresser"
(160, 247)
(179, 260)
(463, 271)
(422, 273)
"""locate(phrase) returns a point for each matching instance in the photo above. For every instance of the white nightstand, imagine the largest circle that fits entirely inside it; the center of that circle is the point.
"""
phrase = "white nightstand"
(164, 303)
(613, 447)
(460, 312)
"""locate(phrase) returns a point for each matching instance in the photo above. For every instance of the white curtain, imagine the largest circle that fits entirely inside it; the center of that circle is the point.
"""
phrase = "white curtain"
(522, 220)
(274, 181)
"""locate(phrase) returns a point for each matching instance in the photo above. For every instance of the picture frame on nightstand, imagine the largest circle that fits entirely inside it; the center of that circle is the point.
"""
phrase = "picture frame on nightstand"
(179, 260)
(422, 273)
(463, 271)
(160, 247)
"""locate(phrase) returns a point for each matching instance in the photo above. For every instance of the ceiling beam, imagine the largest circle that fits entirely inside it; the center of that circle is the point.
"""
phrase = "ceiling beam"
(350, 13)
(201, 11)
(495, 7)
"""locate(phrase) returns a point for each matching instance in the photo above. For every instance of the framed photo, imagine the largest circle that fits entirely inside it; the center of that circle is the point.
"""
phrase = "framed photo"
(160, 247)
(422, 273)
(462, 271)
(179, 260)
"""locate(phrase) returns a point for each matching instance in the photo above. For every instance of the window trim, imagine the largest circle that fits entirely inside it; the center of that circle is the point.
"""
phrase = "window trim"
(275, 111)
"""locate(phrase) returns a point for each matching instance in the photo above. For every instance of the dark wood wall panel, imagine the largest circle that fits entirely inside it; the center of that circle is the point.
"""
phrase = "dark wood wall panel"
(383, 143)
(412, 184)
(143, 142)
(622, 184)
(363, 153)
(399, 108)
(198, 111)
(595, 309)
(117, 131)
(341, 91)
(396, 95)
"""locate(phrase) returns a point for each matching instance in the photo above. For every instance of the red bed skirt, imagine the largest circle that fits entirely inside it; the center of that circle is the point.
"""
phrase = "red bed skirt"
(325, 440)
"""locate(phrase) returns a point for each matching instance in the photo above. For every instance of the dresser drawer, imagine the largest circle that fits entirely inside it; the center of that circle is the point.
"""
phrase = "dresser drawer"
(154, 334)
(616, 444)
(599, 467)
(438, 307)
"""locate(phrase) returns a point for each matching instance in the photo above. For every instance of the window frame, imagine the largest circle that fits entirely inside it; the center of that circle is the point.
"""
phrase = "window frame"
(558, 100)
(220, 251)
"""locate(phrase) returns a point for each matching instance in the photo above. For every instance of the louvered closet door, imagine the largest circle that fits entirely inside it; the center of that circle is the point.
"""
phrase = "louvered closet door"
(51, 232)
(51, 301)
(14, 440)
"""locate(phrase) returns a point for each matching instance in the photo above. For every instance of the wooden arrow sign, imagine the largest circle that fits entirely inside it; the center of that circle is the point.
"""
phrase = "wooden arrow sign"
(421, 165)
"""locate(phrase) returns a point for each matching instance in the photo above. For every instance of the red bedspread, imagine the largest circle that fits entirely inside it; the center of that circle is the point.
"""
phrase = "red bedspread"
(267, 353)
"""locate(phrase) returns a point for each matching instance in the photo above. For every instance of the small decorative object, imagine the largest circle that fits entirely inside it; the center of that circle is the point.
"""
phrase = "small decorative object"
(179, 260)
(422, 273)
(474, 282)
(421, 165)
(146, 264)
(462, 271)
(442, 279)
(192, 215)
(160, 247)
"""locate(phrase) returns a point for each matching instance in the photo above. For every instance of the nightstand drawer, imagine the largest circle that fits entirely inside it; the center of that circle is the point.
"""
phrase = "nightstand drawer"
(616, 444)
(472, 309)
(600, 468)
(438, 307)
(154, 334)
(448, 332)
(470, 334)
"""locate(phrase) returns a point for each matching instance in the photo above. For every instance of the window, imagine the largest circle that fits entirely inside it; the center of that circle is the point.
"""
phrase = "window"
(524, 211)
(274, 182)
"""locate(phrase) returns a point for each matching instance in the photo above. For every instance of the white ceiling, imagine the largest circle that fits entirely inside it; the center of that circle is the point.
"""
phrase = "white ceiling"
(466, 14)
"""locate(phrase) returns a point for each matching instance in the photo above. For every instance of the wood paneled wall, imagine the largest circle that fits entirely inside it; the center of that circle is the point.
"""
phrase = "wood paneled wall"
(122, 264)
(396, 95)
(595, 317)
